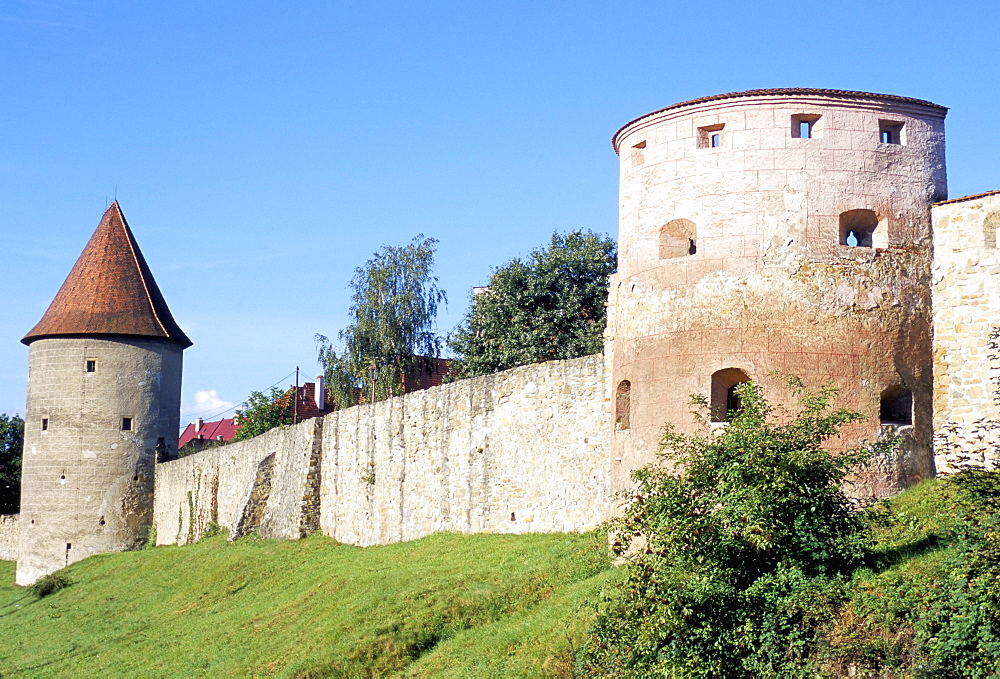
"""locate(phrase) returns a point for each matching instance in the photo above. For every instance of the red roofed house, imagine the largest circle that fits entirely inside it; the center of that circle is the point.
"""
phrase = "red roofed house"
(200, 431)
(308, 405)
(310, 402)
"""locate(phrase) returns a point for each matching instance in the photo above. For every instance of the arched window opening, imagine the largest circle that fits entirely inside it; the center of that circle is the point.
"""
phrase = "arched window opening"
(857, 228)
(678, 238)
(725, 402)
(990, 225)
(623, 404)
(733, 402)
(896, 406)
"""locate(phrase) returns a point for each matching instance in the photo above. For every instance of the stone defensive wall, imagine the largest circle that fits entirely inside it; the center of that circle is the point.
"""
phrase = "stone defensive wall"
(261, 485)
(8, 537)
(525, 450)
(966, 298)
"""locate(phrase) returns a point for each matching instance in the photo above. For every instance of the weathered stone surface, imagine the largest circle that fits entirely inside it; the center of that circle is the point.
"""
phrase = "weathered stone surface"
(87, 483)
(525, 450)
(8, 537)
(966, 295)
(767, 286)
(233, 487)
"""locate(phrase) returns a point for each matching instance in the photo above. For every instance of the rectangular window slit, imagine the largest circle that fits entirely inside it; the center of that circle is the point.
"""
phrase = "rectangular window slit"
(710, 136)
(804, 125)
(126, 424)
(91, 366)
(45, 424)
(891, 132)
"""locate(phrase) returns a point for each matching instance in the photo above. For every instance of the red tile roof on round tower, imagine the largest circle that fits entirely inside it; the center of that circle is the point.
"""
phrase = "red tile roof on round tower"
(110, 291)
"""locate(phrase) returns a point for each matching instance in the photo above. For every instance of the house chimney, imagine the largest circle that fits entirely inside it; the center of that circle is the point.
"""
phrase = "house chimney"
(198, 424)
(320, 393)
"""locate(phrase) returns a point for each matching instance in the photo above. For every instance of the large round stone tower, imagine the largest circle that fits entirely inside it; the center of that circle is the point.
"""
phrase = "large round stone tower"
(104, 385)
(777, 232)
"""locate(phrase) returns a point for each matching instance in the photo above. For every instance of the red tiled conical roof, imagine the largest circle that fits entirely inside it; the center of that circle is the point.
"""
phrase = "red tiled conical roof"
(110, 291)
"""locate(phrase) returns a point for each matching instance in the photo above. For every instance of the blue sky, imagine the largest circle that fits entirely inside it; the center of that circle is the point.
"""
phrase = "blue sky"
(261, 151)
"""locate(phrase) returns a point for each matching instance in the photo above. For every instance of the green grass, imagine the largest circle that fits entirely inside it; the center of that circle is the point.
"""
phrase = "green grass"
(446, 606)
(451, 605)
(874, 633)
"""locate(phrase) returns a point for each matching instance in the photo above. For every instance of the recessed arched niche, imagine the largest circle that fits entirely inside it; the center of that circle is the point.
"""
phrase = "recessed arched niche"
(678, 238)
(896, 406)
(725, 402)
(990, 225)
(861, 229)
(623, 404)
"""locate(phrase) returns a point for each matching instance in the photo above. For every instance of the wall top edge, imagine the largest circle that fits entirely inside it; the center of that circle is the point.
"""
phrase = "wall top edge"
(271, 439)
(847, 98)
(975, 196)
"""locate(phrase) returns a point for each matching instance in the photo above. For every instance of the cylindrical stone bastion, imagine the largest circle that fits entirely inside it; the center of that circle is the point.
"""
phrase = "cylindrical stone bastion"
(99, 410)
(777, 233)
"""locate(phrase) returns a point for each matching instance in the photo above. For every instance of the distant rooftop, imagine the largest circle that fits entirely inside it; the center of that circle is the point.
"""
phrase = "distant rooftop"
(220, 430)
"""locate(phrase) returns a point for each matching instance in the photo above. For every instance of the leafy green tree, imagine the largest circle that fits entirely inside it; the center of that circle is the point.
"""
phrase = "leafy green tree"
(735, 560)
(550, 306)
(262, 413)
(394, 305)
(11, 445)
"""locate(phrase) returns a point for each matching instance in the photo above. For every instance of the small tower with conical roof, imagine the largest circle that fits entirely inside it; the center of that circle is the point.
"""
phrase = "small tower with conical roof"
(104, 386)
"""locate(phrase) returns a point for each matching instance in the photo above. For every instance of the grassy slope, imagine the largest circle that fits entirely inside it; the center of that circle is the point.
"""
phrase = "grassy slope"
(874, 630)
(447, 605)
(455, 604)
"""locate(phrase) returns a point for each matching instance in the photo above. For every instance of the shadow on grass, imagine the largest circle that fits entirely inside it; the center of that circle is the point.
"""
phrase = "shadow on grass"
(13, 604)
(885, 559)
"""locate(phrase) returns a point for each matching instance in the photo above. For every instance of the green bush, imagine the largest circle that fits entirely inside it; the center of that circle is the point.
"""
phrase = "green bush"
(49, 584)
(737, 561)
(960, 630)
